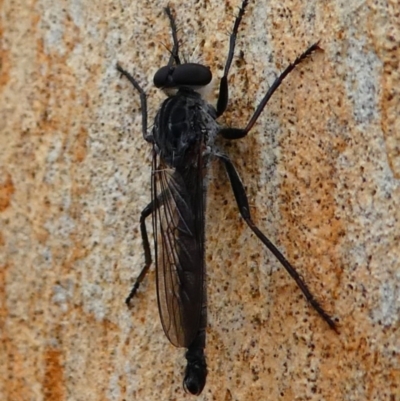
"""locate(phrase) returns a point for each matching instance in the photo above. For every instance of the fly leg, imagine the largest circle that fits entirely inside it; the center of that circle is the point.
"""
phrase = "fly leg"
(143, 101)
(223, 86)
(174, 32)
(147, 211)
(236, 133)
(243, 204)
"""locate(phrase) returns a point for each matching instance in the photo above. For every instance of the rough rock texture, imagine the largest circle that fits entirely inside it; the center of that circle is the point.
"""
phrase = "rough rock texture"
(322, 170)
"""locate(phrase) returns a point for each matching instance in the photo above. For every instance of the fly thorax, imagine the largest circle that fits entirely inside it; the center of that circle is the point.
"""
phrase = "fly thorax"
(181, 126)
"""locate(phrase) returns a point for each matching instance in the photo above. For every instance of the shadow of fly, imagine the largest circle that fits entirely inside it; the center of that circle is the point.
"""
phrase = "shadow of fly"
(183, 136)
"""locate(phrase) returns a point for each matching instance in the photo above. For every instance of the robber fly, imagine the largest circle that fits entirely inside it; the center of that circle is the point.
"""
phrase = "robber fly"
(183, 136)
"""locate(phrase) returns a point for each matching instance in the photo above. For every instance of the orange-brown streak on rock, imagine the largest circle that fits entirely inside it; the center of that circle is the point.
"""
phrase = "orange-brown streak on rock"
(93, 354)
(46, 89)
(5, 62)
(53, 380)
(385, 40)
(310, 168)
(6, 191)
(55, 114)
(79, 149)
(14, 385)
(308, 206)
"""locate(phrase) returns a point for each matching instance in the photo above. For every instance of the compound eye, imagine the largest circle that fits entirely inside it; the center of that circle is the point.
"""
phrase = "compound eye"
(189, 74)
(162, 76)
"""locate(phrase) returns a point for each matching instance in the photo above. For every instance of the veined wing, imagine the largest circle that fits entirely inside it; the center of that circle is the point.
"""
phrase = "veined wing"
(178, 224)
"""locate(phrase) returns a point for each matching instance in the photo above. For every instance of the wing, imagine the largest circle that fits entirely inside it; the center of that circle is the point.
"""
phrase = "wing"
(178, 224)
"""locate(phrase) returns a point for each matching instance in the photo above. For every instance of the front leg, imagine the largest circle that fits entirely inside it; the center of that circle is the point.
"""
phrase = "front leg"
(237, 133)
(223, 96)
(143, 101)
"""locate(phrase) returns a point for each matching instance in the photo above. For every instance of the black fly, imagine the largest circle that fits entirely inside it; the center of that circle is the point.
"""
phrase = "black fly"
(183, 139)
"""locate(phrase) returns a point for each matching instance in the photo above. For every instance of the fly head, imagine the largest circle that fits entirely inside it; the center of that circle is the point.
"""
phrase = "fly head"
(188, 75)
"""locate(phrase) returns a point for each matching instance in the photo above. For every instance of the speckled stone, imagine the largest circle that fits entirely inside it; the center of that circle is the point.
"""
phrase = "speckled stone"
(322, 171)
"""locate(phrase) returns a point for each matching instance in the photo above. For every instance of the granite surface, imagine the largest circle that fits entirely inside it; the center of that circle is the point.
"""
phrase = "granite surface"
(322, 171)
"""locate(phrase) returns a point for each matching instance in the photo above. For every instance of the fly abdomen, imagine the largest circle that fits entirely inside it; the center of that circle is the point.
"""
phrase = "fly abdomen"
(196, 368)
